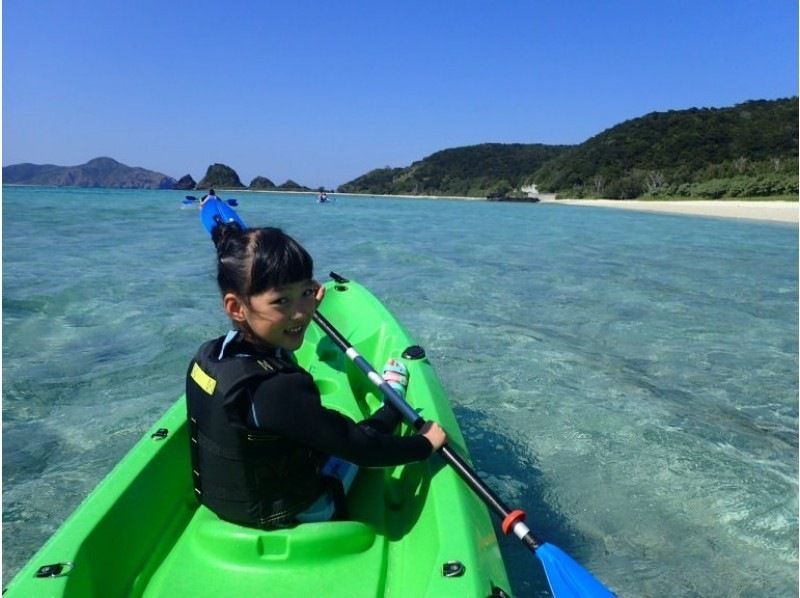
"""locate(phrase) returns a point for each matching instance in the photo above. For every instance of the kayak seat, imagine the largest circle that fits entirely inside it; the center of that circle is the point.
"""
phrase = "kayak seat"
(304, 542)
(215, 558)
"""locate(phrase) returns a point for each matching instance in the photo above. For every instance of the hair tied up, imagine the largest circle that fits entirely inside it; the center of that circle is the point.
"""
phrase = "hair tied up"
(223, 233)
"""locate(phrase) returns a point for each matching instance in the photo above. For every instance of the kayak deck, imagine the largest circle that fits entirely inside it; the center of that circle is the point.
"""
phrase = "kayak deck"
(142, 533)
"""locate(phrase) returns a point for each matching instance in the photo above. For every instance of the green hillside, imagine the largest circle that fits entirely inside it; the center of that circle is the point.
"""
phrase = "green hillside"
(473, 171)
(746, 150)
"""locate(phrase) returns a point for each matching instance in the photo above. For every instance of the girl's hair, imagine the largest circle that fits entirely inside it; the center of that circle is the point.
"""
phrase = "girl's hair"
(255, 260)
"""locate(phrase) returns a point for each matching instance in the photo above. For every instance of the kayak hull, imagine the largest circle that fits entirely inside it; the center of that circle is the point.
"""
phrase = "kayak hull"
(142, 533)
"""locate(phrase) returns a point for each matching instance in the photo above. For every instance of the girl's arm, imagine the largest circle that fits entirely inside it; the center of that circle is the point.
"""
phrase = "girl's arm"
(289, 405)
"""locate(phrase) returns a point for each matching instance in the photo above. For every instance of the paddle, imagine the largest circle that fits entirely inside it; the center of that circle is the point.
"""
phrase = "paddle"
(191, 198)
(232, 202)
(566, 577)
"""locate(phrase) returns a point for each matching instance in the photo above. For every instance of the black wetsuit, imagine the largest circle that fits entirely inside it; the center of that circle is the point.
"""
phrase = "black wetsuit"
(288, 404)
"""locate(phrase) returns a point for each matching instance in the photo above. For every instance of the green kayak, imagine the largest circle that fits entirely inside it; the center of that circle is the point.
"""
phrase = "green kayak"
(415, 530)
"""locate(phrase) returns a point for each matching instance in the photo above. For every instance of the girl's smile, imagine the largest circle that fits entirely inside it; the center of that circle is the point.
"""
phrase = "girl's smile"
(277, 317)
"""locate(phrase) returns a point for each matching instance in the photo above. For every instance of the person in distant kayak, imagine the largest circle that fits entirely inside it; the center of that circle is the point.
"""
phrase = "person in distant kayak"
(261, 439)
(210, 195)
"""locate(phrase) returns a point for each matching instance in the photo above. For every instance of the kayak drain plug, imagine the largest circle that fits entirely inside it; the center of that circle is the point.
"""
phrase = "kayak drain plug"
(414, 352)
(453, 569)
(54, 570)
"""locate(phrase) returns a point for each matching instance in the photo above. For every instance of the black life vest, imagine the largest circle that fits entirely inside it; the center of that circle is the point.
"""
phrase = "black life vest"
(243, 474)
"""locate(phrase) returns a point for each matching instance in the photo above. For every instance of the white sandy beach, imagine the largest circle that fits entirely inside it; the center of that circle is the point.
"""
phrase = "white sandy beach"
(776, 211)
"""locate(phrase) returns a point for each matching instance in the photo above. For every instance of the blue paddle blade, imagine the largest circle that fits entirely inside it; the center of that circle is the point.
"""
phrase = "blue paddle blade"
(191, 198)
(233, 202)
(216, 212)
(567, 578)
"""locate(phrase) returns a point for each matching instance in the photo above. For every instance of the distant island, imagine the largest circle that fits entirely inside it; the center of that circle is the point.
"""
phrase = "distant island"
(748, 150)
(100, 172)
(107, 172)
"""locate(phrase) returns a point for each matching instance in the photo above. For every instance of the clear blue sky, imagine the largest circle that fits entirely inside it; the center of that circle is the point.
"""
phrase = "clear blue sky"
(324, 91)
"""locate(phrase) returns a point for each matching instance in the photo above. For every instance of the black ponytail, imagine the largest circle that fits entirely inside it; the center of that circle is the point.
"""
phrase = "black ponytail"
(223, 231)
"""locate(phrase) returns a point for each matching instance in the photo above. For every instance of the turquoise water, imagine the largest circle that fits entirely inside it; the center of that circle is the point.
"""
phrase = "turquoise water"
(630, 379)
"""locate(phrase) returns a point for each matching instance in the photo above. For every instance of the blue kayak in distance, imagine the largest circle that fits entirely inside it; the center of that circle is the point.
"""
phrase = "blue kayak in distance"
(216, 212)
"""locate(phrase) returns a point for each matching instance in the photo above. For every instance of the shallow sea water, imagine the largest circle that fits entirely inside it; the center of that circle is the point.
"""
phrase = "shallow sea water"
(630, 379)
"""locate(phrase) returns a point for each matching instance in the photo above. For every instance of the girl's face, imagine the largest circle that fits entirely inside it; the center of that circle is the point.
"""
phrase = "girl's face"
(279, 317)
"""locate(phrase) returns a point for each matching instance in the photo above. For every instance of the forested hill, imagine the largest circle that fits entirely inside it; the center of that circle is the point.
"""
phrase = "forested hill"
(473, 171)
(100, 172)
(746, 150)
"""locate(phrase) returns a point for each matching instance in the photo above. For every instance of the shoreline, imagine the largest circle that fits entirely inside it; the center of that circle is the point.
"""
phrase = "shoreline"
(771, 211)
(787, 212)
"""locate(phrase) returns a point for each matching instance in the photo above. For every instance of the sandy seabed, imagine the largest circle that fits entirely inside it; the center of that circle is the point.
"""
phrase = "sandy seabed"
(776, 211)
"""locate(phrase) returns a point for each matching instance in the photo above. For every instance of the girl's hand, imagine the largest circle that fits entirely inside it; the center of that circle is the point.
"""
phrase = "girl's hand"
(435, 435)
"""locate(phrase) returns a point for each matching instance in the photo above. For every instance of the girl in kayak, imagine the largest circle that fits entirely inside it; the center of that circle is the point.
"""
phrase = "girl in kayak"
(261, 438)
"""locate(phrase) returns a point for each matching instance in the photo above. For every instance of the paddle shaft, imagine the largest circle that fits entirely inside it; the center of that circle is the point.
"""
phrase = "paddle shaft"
(462, 468)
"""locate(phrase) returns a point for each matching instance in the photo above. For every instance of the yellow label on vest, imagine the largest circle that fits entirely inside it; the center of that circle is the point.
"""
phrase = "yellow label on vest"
(204, 381)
